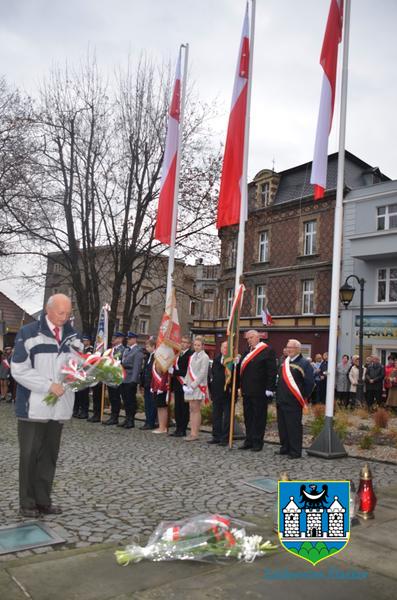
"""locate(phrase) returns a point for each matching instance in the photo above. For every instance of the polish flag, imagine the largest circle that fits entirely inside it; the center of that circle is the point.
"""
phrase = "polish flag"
(328, 61)
(163, 227)
(267, 318)
(232, 170)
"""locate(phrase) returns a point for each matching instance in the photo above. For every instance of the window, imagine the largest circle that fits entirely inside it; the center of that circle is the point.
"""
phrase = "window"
(143, 326)
(387, 217)
(192, 308)
(263, 246)
(387, 285)
(145, 298)
(229, 301)
(265, 193)
(260, 296)
(308, 297)
(232, 259)
(310, 235)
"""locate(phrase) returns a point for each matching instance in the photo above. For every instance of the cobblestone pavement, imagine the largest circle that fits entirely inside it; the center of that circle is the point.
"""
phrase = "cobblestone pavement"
(115, 485)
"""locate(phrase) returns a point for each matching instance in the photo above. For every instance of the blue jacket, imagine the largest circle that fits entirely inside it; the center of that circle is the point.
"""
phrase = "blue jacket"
(36, 364)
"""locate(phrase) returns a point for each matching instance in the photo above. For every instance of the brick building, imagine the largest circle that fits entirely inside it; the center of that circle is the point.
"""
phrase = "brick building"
(287, 255)
(12, 317)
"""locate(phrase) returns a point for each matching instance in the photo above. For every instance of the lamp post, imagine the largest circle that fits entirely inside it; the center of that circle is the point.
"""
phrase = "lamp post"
(346, 293)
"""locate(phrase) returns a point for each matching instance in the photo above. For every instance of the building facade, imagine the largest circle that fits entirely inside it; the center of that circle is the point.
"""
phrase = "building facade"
(370, 252)
(12, 317)
(287, 256)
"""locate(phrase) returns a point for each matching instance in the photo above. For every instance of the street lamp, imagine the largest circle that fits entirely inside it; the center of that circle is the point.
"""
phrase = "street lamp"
(346, 293)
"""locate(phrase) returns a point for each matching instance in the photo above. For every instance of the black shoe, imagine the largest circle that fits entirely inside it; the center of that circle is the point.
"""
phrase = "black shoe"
(281, 451)
(111, 421)
(256, 448)
(82, 416)
(245, 447)
(75, 415)
(129, 424)
(294, 456)
(177, 434)
(223, 443)
(94, 419)
(30, 513)
(213, 441)
(147, 427)
(52, 509)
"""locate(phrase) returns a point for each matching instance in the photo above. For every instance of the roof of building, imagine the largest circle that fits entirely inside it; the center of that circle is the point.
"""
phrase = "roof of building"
(291, 506)
(294, 183)
(13, 315)
(336, 506)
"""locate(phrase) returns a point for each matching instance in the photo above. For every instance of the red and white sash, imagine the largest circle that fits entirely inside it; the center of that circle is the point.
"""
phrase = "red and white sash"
(159, 382)
(179, 377)
(203, 388)
(251, 355)
(291, 383)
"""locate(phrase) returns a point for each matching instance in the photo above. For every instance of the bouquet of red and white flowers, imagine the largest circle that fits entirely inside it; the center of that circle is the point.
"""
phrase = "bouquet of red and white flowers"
(203, 537)
(86, 370)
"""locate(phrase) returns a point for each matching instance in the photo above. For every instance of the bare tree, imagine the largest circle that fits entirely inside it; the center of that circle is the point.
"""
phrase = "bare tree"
(96, 167)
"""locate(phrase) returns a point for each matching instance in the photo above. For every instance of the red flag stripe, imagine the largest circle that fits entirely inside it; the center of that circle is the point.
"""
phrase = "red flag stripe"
(232, 169)
(328, 61)
(163, 226)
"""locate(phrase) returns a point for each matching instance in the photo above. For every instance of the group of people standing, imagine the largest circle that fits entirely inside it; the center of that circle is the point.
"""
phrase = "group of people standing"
(379, 382)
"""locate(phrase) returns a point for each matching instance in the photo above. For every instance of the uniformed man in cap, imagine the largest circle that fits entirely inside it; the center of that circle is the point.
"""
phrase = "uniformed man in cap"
(115, 392)
(132, 362)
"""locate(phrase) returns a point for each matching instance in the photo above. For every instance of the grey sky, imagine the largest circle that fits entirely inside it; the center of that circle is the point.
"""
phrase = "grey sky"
(287, 77)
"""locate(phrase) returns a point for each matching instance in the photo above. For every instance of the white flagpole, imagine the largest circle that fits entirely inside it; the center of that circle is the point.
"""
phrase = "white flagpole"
(328, 443)
(244, 177)
(171, 256)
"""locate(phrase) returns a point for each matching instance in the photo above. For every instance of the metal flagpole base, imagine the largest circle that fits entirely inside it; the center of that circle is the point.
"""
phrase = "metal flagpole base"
(327, 444)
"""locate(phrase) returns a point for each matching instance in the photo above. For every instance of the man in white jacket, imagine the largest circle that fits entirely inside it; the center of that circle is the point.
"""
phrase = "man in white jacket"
(41, 349)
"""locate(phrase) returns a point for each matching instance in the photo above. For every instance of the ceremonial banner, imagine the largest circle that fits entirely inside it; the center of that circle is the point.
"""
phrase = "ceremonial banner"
(101, 340)
(169, 337)
(232, 334)
(267, 318)
(328, 61)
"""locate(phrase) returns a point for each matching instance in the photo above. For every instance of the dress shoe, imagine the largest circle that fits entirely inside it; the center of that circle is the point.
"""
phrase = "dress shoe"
(294, 456)
(82, 416)
(191, 438)
(94, 419)
(177, 434)
(213, 442)
(129, 424)
(256, 448)
(245, 447)
(224, 443)
(112, 421)
(75, 415)
(281, 452)
(146, 427)
(30, 513)
(52, 509)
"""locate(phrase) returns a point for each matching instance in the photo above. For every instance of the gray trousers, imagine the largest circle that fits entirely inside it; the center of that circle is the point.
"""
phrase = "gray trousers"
(39, 448)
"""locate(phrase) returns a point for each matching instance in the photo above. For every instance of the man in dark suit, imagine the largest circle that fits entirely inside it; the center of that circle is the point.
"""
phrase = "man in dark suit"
(115, 392)
(295, 384)
(146, 383)
(181, 407)
(258, 372)
(132, 362)
(221, 400)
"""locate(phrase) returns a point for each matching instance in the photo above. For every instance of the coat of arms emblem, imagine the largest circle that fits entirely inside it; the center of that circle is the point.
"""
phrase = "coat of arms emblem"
(313, 518)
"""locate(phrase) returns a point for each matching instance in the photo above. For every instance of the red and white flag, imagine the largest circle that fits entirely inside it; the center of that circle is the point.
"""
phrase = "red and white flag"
(267, 318)
(168, 176)
(328, 61)
(233, 159)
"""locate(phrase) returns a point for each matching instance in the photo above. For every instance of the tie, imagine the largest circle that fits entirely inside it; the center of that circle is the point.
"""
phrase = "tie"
(56, 334)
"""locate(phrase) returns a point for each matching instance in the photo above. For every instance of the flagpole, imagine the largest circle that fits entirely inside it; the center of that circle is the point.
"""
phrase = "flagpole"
(244, 177)
(171, 256)
(328, 444)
